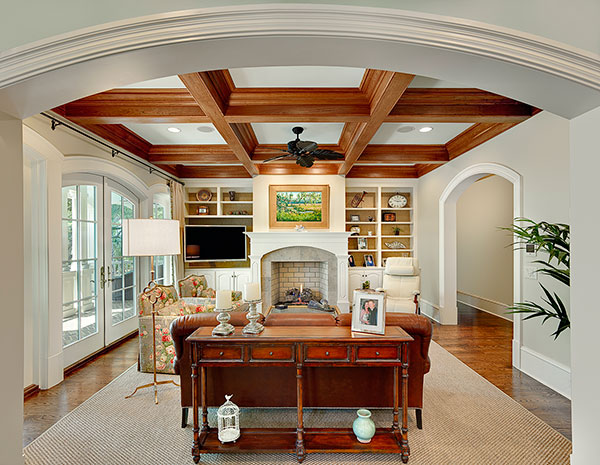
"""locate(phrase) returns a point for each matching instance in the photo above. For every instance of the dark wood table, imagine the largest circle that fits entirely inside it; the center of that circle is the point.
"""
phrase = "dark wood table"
(301, 346)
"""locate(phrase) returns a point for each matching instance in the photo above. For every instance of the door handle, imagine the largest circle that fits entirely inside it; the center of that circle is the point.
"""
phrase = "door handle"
(110, 280)
(102, 277)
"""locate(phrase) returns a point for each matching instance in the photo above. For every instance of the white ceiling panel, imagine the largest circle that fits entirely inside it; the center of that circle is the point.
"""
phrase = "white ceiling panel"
(281, 133)
(159, 134)
(297, 76)
(442, 132)
(169, 82)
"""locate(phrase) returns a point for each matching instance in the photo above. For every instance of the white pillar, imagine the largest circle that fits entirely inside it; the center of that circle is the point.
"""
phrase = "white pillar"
(12, 282)
(585, 275)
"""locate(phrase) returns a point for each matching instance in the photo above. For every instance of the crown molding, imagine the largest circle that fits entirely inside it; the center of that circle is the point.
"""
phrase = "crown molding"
(307, 20)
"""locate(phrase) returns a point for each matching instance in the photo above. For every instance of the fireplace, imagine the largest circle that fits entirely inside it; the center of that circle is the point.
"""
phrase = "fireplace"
(284, 260)
(287, 276)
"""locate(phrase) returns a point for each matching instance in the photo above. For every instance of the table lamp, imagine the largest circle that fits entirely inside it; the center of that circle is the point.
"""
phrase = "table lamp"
(150, 238)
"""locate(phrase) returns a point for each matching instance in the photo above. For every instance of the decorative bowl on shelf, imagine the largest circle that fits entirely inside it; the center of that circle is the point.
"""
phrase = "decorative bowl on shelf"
(204, 195)
(395, 245)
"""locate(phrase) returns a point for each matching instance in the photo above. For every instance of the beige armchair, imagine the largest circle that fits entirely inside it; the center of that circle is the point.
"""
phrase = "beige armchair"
(195, 286)
(402, 285)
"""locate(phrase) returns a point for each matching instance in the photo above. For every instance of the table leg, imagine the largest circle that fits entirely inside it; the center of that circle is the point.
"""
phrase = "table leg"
(204, 402)
(395, 426)
(300, 451)
(196, 444)
(404, 442)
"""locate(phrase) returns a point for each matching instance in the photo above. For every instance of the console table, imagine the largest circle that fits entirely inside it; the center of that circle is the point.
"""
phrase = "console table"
(301, 346)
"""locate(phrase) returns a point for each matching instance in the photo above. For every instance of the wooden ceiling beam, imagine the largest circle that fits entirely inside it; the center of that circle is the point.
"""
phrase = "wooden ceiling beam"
(191, 154)
(121, 136)
(383, 89)
(320, 167)
(405, 153)
(382, 171)
(136, 106)
(237, 171)
(476, 135)
(210, 96)
(424, 169)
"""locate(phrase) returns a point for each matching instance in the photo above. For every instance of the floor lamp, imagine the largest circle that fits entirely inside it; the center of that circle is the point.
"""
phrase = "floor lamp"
(150, 238)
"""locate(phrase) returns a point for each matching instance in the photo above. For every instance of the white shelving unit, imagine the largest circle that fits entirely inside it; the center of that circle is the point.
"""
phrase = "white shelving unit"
(370, 214)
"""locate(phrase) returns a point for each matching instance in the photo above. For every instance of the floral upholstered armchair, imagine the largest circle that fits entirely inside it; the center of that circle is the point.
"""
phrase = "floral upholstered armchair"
(168, 307)
(196, 286)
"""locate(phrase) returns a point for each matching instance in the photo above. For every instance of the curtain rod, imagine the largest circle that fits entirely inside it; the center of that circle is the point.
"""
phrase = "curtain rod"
(55, 121)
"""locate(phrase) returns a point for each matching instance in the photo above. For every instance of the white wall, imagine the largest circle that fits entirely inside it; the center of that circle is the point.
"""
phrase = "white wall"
(538, 149)
(484, 255)
(585, 311)
(12, 287)
(337, 197)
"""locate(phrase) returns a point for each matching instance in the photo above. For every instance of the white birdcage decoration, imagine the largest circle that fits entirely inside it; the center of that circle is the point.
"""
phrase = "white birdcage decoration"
(228, 421)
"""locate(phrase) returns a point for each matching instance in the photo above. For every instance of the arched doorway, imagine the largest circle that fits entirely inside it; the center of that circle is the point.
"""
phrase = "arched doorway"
(447, 243)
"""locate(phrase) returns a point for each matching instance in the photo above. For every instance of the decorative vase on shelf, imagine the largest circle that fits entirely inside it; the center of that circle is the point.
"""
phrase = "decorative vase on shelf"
(363, 426)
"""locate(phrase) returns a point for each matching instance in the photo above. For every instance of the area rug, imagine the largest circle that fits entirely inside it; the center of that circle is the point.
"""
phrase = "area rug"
(466, 420)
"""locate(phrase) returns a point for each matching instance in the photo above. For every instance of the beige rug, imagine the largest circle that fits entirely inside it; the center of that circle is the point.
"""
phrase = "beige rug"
(467, 420)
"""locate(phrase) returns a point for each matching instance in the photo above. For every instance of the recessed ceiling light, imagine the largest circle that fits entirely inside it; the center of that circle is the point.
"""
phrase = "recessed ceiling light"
(173, 129)
(426, 129)
(205, 129)
(405, 129)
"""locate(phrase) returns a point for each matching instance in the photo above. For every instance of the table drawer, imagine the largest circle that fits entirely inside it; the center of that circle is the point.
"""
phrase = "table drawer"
(377, 353)
(326, 352)
(228, 352)
(268, 352)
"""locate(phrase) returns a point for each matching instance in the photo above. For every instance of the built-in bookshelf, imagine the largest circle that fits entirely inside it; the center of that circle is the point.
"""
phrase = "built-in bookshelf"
(378, 229)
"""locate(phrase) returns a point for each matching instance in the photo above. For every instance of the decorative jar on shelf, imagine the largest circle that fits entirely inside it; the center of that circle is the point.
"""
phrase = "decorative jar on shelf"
(363, 426)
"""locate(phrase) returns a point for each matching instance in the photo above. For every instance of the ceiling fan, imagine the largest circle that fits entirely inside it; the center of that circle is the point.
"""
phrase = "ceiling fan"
(305, 151)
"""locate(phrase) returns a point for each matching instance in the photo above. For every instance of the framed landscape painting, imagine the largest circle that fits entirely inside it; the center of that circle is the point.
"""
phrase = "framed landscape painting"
(291, 205)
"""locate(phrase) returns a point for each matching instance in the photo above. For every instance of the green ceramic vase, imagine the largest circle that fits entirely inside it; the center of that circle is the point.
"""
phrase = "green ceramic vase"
(363, 426)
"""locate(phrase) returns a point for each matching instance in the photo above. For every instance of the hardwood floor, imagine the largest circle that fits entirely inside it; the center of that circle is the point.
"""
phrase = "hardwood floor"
(483, 342)
(47, 407)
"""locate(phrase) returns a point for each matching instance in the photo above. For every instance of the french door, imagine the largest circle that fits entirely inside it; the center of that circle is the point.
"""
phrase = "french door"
(100, 285)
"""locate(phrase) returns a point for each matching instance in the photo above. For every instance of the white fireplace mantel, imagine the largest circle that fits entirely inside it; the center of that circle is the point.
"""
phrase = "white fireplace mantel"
(262, 243)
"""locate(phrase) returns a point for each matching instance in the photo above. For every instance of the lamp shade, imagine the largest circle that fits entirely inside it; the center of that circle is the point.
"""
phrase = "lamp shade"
(146, 237)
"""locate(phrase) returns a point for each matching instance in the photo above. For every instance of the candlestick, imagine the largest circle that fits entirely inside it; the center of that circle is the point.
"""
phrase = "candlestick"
(254, 327)
(251, 292)
(224, 305)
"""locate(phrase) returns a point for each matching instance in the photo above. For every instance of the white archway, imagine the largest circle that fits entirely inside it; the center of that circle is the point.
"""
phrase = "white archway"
(536, 70)
(447, 243)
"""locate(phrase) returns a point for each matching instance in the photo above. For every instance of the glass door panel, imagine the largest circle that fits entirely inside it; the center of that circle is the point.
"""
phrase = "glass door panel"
(121, 271)
(81, 252)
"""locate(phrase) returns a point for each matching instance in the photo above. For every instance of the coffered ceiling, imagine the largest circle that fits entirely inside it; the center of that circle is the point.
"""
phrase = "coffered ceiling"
(226, 123)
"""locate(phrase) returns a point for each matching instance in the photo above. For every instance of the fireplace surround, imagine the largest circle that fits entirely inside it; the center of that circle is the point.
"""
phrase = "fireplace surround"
(329, 249)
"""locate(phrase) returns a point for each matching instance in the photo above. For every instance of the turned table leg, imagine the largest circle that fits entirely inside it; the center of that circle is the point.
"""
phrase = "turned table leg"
(196, 443)
(300, 451)
(404, 441)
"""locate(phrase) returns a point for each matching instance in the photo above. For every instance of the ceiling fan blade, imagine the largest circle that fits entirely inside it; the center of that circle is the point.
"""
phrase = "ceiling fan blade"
(306, 145)
(306, 160)
(278, 157)
(324, 154)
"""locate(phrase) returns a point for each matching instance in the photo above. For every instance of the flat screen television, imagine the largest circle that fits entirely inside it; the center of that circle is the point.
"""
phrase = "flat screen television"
(215, 243)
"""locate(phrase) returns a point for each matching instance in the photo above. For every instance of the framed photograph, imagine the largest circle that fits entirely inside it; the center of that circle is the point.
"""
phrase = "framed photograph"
(369, 260)
(291, 205)
(368, 312)
(203, 210)
(355, 218)
(362, 243)
(351, 261)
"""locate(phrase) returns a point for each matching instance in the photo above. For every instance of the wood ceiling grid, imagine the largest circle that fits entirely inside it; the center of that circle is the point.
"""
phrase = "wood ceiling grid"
(211, 97)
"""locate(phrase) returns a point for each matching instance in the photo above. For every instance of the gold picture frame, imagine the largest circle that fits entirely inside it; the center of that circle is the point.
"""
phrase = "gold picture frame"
(295, 204)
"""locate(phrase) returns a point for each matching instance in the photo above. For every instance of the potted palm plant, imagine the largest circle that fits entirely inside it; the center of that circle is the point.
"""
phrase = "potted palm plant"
(554, 240)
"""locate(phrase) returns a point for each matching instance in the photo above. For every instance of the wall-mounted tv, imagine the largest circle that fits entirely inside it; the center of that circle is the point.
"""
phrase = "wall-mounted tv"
(215, 243)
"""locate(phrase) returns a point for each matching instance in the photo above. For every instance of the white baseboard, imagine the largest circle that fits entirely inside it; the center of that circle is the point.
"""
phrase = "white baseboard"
(481, 303)
(549, 372)
(430, 310)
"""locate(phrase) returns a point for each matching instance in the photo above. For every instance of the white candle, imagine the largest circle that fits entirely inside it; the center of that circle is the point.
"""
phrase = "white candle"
(223, 299)
(251, 291)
